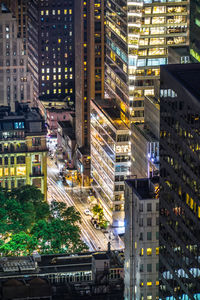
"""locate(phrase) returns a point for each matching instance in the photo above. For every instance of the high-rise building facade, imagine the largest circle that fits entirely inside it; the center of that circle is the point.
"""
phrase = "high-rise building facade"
(19, 10)
(179, 234)
(32, 45)
(195, 30)
(23, 151)
(15, 80)
(25, 12)
(89, 71)
(145, 141)
(141, 239)
(110, 159)
(89, 62)
(51, 49)
(56, 50)
(137, 37)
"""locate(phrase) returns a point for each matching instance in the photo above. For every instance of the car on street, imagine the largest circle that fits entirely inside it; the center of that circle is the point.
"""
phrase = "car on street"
(87, 212)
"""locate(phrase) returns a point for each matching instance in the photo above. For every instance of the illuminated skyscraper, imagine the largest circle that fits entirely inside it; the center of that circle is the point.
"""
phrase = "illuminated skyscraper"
(137, 37)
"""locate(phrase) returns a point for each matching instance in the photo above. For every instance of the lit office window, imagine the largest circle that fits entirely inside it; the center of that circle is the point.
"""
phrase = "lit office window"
(12, 171)
(149, 251)
(21, 171)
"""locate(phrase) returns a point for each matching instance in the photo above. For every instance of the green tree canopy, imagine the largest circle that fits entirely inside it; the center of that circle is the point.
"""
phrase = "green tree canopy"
(21, 208)
(20, 244)
(28, 223)
(98, 211)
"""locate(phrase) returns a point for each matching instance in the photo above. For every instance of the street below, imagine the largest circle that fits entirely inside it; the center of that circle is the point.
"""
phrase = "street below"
(78, 197)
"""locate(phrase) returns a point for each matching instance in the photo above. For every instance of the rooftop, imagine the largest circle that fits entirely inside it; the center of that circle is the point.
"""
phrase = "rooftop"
(24, 118)
(144, 188)
(46, 264)
(188, 75)
(67, 129)
(22, 111)
(112, 112)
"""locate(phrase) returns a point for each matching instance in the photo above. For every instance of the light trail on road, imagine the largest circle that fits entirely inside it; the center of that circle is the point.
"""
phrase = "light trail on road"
(90, 236)
(95, 239)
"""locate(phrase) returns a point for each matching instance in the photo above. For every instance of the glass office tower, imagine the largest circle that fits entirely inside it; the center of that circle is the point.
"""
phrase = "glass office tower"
(179, 237)
(138, 34)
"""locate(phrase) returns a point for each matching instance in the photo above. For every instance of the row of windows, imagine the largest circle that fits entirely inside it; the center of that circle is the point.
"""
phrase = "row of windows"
(148, 283)
(55, 70)
(148, 222)
(48, 77)
(11, 184)
(56, 11)
(19, 160)
(148, 236)
(148, 268)
(148, 207)
(149, 251)
(164, 9)
(19, 171)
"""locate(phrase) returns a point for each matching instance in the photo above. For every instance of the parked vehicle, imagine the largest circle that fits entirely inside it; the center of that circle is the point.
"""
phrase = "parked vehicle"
(87, 212)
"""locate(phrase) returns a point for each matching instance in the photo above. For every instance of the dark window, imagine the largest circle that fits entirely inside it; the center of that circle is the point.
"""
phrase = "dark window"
(36, 170)
(141, 268)
(157, 235)
(5, 160)
(12, 148)
(12, 184)
(157, 267)
(140, 222)
(141, 207)
(149, 236)
(20, 159)
(149, 221)
(149, 207)
(149, 267)
(12, 160)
